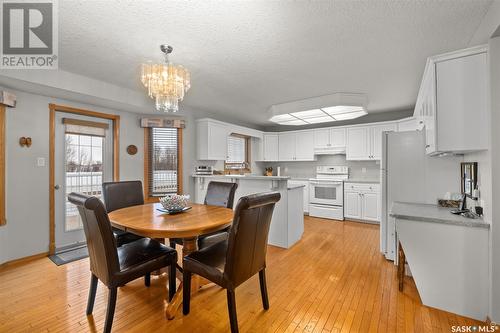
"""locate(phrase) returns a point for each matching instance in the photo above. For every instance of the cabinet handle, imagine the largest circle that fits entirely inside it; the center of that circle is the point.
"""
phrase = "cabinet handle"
(421, 122)
(427, 146)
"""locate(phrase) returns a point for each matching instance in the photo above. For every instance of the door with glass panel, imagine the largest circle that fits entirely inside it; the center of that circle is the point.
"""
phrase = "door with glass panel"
(83, 161)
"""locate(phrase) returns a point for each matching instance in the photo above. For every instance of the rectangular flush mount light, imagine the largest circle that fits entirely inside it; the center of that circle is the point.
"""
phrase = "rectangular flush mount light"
(329, 108)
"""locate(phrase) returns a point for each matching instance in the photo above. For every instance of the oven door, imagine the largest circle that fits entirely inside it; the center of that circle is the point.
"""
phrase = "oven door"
(326, 193)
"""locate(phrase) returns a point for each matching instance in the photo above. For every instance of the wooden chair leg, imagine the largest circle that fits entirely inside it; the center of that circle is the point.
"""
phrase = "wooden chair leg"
(147, 279)
(111, 310)
(171, 281)
(186, 291)
(263, 289)
(92, 292)
(231, 307)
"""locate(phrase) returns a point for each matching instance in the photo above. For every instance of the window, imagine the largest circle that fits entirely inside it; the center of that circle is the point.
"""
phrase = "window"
(238, 152)
(163, 161)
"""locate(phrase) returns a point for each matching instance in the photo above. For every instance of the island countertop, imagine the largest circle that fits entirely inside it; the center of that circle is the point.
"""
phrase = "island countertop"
(363, 180)
(433, 214)
(259, 177)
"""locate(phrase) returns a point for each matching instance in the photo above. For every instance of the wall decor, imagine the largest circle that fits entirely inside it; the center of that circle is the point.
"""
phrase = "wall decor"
(132, 149)
(25, 141)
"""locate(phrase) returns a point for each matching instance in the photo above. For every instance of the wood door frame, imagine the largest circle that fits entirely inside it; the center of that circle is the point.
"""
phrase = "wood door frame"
(147, 134)
(53, 108)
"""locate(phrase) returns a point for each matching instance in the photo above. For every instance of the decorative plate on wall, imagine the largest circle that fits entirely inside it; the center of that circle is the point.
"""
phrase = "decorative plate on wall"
(132, 149)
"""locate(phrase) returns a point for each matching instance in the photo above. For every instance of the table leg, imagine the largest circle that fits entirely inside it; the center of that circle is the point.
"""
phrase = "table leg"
(189, 245)
(401, 266)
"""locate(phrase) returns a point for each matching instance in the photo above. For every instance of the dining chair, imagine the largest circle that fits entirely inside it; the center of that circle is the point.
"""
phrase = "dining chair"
(231, 262)
(218, 194)
(122, 194)
(116, 266)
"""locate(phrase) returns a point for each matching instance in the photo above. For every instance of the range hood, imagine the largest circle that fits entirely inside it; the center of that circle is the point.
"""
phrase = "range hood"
(329, 151)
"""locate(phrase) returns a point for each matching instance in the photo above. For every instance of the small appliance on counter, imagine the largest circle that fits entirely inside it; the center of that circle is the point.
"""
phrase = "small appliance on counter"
(326, 193)
(204, 170)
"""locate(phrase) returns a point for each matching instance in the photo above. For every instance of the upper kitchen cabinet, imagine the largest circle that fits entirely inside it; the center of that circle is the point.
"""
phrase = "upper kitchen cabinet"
(452, 105)
(270, 143)
(211, 140)
(365, 142)
(296, 146)
(358, 143)
(329, 140)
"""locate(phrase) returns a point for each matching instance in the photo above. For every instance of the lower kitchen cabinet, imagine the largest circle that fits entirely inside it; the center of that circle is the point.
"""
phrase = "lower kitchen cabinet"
(362, 202)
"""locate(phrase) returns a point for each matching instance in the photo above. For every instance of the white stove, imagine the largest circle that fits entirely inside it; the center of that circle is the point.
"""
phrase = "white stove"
(326, 194)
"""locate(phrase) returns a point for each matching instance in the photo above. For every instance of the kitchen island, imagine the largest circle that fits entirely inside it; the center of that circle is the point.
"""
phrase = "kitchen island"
(287, 224)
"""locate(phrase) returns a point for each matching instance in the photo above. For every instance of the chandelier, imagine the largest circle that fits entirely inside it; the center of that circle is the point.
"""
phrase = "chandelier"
(166, 83)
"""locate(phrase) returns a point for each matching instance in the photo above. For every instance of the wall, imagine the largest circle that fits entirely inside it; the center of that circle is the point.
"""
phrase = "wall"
(308, 169)
(495, 177)
(27, 229)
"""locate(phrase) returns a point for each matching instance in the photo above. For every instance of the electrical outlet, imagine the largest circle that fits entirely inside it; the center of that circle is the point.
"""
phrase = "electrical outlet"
(363, 170)
(40, 161)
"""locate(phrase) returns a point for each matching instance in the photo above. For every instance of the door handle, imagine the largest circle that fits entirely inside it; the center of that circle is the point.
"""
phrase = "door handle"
(56, 187)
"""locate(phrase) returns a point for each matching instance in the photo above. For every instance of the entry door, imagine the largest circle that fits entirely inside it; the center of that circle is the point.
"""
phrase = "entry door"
(83, 161)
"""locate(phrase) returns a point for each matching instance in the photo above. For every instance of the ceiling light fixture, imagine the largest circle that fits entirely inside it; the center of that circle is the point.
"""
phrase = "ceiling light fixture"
(166, 83)
(323, 109)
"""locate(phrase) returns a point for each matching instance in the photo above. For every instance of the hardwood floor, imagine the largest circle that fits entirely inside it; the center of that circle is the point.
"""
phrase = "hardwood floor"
(334, 280)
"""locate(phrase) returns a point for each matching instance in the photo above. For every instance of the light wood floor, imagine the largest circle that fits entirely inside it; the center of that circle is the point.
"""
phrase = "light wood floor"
(334, 280)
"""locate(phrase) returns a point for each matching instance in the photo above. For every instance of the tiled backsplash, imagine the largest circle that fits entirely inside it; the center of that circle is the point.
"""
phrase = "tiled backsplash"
(308, 169)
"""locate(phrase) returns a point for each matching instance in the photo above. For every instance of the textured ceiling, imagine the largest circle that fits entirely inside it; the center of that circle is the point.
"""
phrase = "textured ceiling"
(246, 56)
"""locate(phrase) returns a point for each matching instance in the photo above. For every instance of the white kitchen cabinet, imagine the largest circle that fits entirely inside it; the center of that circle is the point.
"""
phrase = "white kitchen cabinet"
(211, 140)
(304, 146)
(296, 146)
(362, 201)
(270, 147)
(352, 205)
(358, 143)
(286, 151)
(376, 138)
(453, 100)
(407, 125)
(329, 138)
(305, 183)
(365, 142)
(370, 206)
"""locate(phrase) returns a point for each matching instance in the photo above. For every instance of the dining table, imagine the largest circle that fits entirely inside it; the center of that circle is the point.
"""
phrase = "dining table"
(151, 220)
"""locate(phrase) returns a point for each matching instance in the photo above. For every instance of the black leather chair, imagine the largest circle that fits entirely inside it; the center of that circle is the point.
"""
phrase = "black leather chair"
(117, 266)
(118, 195)
(218, 194)
(231, 262)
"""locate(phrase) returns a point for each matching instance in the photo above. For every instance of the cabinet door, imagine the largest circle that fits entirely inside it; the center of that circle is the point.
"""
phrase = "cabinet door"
(217, 141)
(286, 144)
(352, 205)
(306, 196)
(271, 147)
(358, 147)
(370, 206)
(462, 103)
(337, 137)
(304, 146)
(321, 138)
(376, 139)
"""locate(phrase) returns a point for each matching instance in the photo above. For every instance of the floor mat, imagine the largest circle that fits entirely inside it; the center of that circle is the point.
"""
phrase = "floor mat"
(69, 256)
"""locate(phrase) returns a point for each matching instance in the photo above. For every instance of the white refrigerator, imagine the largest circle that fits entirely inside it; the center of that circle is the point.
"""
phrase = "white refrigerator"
(409, 175)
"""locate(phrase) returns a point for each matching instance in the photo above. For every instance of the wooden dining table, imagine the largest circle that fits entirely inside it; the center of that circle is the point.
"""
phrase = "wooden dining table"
(149, 221)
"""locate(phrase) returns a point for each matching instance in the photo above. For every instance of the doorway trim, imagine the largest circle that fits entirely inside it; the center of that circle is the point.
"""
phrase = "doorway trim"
(53, 108)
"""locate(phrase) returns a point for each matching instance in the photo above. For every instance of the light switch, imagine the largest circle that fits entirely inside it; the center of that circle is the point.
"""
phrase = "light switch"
(40, 161)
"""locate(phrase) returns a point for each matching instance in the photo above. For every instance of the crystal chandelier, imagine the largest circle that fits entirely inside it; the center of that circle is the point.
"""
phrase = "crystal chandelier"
(166, 83)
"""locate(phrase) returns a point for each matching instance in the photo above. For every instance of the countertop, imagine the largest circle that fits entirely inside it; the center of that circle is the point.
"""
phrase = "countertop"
(433, 214)
(249, 177)
(362, 180)
(293, 187)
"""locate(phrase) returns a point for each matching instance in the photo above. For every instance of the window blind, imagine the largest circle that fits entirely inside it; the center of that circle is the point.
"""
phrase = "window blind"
(236, 149)
(83, 127)
(163, 154)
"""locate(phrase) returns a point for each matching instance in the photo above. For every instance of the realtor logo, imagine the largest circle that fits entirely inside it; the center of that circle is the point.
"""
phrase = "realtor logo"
(29, 34)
